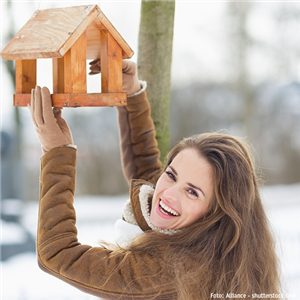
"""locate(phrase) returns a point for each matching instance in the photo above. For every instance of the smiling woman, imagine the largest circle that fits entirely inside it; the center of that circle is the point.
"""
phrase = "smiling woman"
(191, 230)
(183, 193)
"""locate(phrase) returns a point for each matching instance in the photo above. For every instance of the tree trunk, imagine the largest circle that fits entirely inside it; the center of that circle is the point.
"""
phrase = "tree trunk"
(240, 44)
(154, 63)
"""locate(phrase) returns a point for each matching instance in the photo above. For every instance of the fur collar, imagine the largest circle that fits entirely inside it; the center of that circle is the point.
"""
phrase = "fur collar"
(146, 192)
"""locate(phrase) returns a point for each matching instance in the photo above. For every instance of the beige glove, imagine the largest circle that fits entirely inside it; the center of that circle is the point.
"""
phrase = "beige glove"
(52, 130)
(131, 83)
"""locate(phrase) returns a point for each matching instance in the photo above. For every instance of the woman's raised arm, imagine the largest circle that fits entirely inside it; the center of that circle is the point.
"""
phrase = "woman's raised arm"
(95, 270)
(139, 152)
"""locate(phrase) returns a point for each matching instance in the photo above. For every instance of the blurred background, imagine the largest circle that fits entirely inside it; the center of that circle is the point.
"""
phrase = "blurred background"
(236, 68)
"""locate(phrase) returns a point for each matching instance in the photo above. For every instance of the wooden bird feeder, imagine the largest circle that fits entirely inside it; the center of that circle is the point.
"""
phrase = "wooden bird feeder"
(69, 36)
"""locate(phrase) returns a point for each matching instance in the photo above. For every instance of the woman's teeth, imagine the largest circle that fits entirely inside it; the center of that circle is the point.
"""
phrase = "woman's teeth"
(168, 209)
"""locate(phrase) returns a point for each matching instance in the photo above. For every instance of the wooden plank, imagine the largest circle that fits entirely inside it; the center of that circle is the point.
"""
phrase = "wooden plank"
(75, 68)
(25, 76)
(50, 33)
(114, 66)
(19, 76)
(111, 64)
(58, 100)
(78, 65)
(110, 99)
(104, 61)
(58, 75)
(93, 39)
(67, 73)
(127, 52)
(61, 100)
(77, 100)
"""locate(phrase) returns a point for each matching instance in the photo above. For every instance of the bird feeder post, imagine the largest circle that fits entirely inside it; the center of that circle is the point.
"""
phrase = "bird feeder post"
(58, 75)
(111, 64)
(25, 78)
(75, 67)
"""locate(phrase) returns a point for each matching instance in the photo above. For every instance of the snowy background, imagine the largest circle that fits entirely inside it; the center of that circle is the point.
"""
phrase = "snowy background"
(201, 53)
(23, 280)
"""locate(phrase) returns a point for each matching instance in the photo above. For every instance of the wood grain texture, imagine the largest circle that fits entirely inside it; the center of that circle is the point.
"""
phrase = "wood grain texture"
(51, 32)
(75, 68)
(78, 66)
(25, 76)
(93, 40)
(104, 61)
(58, 75)
(58, 100)
(108, 99)
(111, 64)
(77, 100)
(67, 73)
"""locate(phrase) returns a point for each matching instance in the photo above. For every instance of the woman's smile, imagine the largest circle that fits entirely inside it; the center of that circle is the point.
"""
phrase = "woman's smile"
(183, 192)
(166, 211)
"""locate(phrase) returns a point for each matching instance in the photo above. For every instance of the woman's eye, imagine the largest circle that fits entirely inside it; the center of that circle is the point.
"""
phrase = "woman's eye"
(171, 175)
(192, 192)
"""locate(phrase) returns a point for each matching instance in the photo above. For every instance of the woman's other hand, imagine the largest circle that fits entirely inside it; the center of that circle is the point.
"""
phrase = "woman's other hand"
(52, 130)
(131, 83)
(95, 67)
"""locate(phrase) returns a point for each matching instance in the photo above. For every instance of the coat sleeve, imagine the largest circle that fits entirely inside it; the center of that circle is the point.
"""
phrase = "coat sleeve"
(95, 270)
(139, 152)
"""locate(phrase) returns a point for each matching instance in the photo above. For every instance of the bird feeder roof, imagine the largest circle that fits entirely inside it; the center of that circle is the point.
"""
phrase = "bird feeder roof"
(52, 32)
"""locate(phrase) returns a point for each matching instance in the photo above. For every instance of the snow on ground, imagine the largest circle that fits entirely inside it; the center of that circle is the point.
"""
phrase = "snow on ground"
(283, 210)
(21, 279)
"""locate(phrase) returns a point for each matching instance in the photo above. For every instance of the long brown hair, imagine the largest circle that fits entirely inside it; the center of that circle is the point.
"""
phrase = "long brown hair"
(230, 249)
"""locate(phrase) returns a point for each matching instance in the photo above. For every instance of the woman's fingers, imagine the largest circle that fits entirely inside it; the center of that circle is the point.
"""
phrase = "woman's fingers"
(31, 107)
(38, 109)
(94, 70)
(129, 67)
(41, 106)
(47, 106)
(95, 62)
(57, 114)
(95, 67)
(52, 131)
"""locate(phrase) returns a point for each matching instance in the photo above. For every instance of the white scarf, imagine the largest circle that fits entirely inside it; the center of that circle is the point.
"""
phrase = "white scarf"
(129, 228)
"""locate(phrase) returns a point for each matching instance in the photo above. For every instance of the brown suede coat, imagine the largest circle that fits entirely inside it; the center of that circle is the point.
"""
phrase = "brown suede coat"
(93, 269)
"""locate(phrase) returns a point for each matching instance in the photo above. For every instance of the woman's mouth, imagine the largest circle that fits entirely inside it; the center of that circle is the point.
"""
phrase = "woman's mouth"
(165, 211)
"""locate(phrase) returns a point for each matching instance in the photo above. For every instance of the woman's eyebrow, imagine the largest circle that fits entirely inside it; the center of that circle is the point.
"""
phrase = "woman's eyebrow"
(190, 184)
(195, 187)
(173, 170)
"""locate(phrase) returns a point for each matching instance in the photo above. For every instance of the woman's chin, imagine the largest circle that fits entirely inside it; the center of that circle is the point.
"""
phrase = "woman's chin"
(157, 223)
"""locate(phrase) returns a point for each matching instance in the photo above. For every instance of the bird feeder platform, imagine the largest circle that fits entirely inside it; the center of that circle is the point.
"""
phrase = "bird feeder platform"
(70, 36)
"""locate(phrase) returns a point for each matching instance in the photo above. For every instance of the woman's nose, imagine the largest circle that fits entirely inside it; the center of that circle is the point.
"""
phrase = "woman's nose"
(171, 193)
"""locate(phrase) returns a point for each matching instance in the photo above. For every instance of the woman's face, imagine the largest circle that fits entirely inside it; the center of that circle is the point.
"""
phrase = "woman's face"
(183, 192)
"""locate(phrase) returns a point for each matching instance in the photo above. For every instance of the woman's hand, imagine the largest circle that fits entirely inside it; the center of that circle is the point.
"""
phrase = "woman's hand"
(131, 83)
(52, 130)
